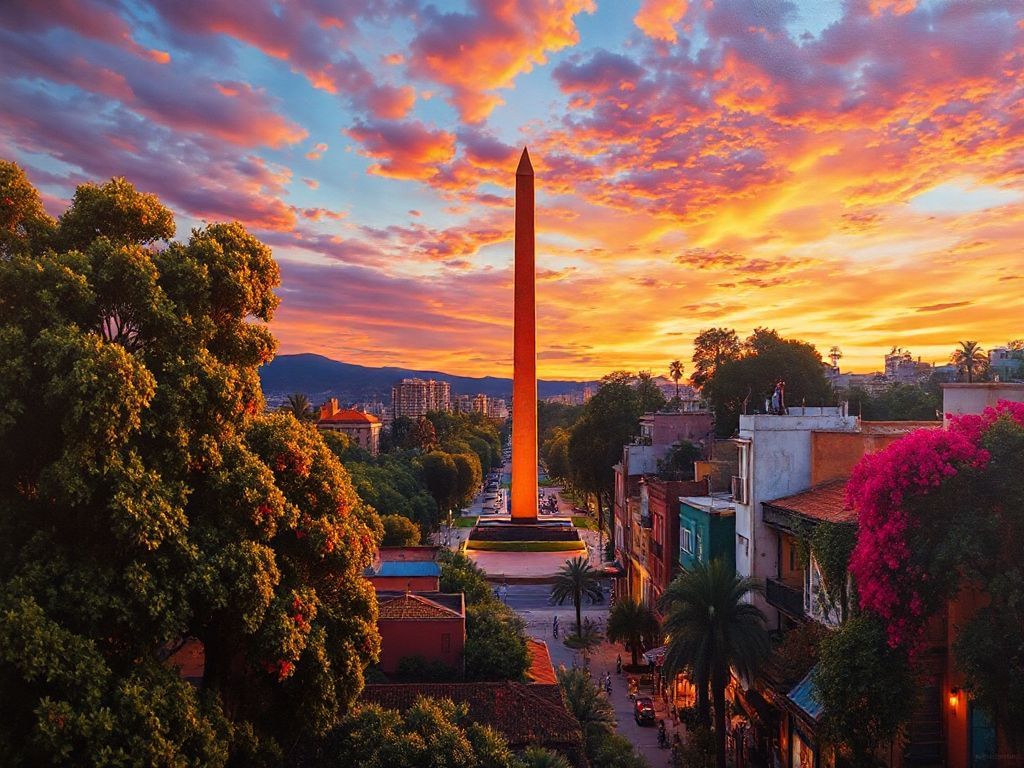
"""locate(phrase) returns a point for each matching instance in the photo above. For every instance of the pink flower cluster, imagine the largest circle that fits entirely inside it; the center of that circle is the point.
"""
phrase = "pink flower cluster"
(880, 489)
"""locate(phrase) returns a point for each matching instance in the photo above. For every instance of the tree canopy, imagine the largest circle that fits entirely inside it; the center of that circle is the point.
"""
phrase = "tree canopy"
(747, 379)
(146, 499)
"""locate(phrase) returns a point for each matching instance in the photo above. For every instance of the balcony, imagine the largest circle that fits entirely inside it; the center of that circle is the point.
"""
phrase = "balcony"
(786, 598)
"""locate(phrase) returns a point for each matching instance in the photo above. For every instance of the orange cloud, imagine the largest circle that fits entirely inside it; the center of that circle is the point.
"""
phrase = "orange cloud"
(498, 40)
(657, 18)
(406, 150)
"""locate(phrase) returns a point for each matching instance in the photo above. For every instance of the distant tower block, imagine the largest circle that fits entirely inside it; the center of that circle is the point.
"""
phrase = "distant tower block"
(524, 358)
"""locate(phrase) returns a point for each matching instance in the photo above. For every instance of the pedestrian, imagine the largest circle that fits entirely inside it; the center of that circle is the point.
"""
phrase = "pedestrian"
(618, 664)
(554, 627)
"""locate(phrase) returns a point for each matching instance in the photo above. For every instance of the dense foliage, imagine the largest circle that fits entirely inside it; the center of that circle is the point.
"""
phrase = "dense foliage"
(145, 499)
(940, 510)
(495, 636)
(899, 402)
(608, 421)
(741, 380)
(399, 531)
(866, 687)
(433, 733)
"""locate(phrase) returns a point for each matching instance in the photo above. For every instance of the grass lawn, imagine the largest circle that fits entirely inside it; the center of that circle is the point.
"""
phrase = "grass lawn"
(582, 521)
(526, 546)
(465, 522)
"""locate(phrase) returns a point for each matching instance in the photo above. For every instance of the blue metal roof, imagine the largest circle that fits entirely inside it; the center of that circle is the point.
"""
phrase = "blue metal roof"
(406, 568)
(803, 696)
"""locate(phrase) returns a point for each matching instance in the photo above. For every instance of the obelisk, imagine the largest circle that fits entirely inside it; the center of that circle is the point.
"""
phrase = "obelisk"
(524, 355)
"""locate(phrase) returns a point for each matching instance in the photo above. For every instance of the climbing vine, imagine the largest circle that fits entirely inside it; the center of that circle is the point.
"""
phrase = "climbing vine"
(938, 510)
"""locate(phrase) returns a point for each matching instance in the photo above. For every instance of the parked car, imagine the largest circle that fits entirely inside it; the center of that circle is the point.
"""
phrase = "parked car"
(643, 711)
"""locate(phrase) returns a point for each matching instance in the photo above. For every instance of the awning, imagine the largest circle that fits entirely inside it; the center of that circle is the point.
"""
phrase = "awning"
(615, 570)
(656, 656)
(803, 696)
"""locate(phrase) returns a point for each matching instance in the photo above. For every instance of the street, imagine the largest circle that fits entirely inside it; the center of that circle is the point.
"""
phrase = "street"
(530, 601)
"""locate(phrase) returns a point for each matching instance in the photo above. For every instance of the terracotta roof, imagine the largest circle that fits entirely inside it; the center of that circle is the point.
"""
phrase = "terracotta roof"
(825, 502)
(410, 606)
(541, 670)
(347, 416)
(513, 709)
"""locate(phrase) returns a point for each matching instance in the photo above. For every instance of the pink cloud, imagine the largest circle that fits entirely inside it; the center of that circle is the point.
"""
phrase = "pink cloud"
(498, 40)
(85, 17)
(232, 111)
(404, 150)
(312, 37)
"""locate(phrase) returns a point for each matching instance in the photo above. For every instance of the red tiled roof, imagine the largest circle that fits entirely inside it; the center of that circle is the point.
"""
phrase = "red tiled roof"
(513, 709)
(410, 606)
(825, 502)
(349, 416)
(541, 669)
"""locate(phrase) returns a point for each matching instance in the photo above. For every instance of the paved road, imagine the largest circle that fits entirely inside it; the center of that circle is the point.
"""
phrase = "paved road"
(531, 602)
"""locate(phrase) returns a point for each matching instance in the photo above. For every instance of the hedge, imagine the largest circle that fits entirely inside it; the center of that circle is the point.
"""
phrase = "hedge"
(525, 546)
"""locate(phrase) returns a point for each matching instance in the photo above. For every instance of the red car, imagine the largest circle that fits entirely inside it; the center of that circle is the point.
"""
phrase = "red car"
(643, 711)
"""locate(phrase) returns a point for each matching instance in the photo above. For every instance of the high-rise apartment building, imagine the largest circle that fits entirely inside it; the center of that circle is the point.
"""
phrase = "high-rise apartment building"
(416, 397)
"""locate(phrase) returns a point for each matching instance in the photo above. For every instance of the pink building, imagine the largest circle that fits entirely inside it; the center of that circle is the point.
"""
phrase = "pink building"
(671, 428)
(429, 625)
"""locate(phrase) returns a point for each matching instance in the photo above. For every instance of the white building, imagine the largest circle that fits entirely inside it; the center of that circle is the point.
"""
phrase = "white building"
(417, 397)
(774, 461)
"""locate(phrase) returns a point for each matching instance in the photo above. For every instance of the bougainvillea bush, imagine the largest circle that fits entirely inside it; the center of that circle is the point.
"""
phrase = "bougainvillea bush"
(940, 509)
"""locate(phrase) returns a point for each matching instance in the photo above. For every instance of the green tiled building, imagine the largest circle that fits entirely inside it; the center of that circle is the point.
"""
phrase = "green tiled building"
(707, 530)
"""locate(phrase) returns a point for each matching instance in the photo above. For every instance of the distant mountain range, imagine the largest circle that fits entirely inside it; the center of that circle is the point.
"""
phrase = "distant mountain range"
(321, 378)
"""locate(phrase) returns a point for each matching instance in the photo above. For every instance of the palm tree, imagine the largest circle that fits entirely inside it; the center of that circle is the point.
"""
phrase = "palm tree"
(585, 641)
(675, 370)
(969, 358)
(575, 581)
(298, 406)
(592, 710)
(711, 631)
(629, 623)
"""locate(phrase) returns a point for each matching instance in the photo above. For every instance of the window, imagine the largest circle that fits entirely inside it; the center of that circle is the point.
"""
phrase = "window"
(686, 540)
(446, 643)
(700, 545)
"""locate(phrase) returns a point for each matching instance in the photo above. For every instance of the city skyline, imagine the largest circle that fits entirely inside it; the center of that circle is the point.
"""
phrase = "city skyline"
(845, 173)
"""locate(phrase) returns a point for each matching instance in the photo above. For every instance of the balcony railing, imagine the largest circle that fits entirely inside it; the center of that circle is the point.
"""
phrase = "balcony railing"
(784, 597)
(739, 489)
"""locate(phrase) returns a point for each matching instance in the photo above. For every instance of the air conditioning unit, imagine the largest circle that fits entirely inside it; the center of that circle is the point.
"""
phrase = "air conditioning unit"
(739, 489)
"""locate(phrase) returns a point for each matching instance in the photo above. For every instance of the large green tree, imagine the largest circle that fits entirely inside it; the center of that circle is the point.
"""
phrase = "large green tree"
(609, 420)
(748, 380)
(713, 630)
(711, 349)
(24, 223)
(146, 499)
(433, 733)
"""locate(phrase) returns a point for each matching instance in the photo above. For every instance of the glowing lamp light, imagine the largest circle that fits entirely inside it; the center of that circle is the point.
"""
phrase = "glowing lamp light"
(954, 697)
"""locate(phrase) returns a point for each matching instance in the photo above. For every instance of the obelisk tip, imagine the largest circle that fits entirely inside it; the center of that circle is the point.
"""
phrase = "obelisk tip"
(525, 167)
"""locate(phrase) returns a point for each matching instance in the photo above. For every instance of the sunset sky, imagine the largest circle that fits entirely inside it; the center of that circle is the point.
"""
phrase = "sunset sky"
(848, 173)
